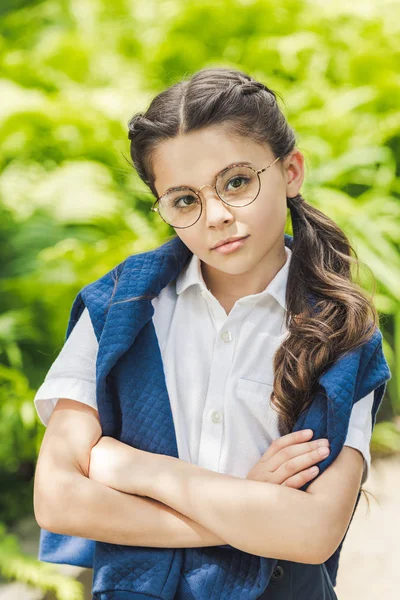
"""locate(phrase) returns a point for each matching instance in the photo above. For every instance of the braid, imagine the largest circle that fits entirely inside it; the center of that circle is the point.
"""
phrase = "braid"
(134, 124)
(253, 87)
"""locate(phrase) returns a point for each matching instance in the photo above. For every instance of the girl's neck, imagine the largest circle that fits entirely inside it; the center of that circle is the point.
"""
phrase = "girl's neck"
(228, 288)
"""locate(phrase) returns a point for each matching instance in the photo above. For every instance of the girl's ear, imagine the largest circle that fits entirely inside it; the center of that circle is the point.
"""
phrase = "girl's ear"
(294, 173)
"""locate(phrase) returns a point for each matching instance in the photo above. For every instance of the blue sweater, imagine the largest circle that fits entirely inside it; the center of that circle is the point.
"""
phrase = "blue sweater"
(134, 407)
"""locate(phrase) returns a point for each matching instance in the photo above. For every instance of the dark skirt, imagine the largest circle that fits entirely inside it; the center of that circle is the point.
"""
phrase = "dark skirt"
(298, 581)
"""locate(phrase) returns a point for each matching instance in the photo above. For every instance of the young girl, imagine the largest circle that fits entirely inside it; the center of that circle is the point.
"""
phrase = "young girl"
(243, 324)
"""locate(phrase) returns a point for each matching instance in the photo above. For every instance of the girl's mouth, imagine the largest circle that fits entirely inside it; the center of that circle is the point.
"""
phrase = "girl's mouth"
(231, 246)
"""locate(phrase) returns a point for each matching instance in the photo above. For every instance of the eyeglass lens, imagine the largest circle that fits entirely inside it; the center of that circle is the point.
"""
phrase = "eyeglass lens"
(181, 207)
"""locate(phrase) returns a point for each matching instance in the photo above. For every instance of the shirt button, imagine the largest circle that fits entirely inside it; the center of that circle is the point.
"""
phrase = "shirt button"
(226, 336)
(216, 416)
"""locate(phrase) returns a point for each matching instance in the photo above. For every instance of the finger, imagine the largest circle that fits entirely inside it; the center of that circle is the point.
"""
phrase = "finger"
(297, 481)
(288, 464)
(296, 437)
(291, 452)
(302, 462)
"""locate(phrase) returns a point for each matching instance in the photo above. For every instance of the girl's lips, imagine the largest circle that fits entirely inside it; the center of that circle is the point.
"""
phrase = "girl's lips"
(231, 246)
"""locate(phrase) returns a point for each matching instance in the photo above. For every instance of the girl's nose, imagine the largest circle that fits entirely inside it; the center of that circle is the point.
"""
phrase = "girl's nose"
(215, 210)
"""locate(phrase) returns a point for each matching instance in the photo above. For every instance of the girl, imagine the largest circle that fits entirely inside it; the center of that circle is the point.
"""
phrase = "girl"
(248, 322)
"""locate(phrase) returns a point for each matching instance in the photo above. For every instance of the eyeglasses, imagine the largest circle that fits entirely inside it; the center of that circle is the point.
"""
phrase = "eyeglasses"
(237, 185)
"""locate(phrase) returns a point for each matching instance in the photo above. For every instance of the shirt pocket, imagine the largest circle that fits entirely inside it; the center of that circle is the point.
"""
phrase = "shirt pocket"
(260, 389)
(256, 411)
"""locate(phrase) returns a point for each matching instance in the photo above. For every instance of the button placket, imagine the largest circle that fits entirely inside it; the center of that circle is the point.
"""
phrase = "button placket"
(213, 415)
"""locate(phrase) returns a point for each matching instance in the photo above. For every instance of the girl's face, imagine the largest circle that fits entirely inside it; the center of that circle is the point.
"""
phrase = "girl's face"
(193, 160)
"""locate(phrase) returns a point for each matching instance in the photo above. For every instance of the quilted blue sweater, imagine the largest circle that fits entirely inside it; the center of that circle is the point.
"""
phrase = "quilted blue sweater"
(134, 407)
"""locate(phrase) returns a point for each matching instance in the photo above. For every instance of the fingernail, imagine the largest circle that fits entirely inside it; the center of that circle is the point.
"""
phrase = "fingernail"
(307, 432)
(324, 451)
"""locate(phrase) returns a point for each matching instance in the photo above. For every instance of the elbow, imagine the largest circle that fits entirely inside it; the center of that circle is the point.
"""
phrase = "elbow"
(40, 509)
(322, 555)
(49, 511)
(319, 556)
(325, 544)
(42, 514)
(42, 519)
(318, 551)
(45, 512)
(313, 552)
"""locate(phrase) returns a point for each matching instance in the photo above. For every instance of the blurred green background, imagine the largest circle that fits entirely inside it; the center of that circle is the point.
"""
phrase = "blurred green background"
(71, 207)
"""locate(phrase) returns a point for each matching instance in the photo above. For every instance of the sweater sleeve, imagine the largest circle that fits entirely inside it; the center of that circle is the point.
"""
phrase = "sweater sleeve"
(73, 373)
(360, 430)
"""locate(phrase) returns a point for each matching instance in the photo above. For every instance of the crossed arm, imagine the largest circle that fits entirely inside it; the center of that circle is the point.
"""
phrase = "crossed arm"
(257, 517)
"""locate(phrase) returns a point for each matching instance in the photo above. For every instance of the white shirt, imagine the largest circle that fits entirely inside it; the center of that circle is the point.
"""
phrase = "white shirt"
(218, 371)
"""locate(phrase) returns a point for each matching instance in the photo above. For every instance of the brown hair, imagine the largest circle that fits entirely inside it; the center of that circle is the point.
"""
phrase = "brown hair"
(343, 316)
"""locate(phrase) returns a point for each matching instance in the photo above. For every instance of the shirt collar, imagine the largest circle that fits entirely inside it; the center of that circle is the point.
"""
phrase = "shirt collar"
(192, 275)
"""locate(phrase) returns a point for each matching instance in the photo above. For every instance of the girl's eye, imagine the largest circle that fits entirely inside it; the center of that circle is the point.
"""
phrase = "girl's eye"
(187, 201)
(236, 182)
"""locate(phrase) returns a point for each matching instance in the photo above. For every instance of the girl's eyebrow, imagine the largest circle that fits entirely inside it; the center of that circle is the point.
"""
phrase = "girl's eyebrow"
(241, 163)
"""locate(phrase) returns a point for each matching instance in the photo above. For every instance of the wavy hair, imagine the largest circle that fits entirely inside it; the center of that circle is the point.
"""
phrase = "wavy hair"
(343, 317)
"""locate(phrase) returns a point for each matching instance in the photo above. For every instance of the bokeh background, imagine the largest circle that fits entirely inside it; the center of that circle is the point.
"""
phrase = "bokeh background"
(72, 73)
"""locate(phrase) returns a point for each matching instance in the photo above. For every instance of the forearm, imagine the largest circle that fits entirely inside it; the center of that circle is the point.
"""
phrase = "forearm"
(88, 509)
(257, 517)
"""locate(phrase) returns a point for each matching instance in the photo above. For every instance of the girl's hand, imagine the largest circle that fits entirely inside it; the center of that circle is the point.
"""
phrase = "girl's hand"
(288, 460)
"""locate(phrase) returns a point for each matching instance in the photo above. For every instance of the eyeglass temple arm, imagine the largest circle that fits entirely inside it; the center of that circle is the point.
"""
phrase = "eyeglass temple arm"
(265, 168)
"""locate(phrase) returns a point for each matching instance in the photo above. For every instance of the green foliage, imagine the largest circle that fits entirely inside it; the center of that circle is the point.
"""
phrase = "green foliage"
(386, 440)
(16, 565)
(71, 207)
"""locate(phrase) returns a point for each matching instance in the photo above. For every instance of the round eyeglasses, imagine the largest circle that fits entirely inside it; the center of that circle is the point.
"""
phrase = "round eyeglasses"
(237, 185)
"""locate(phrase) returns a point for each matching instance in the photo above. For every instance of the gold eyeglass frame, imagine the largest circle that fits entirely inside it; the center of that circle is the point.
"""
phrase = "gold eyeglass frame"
(186, 187)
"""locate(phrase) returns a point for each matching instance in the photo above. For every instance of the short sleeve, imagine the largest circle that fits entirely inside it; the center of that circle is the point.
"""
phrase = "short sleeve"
(73, 373)
(360, 430)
